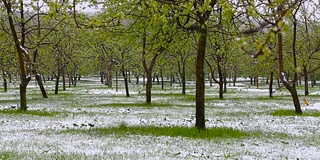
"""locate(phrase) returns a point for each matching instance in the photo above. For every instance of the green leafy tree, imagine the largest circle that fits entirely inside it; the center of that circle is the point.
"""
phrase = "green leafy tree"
(29, 36)
(275, 14)
(196, 16)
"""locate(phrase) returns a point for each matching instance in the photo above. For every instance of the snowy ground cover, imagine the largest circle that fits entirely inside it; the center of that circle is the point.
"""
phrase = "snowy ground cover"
(92, 105)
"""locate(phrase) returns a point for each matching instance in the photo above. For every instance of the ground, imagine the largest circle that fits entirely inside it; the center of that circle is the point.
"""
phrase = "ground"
(92, 105)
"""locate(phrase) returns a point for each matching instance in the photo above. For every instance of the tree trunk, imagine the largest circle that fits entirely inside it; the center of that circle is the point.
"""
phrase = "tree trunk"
(220, 73)
(125, 81)
(257, 81)
(306, 89)
(63, 81)
(178, 77)
(270, 85)
(108, 80)
(10, 77)
(157, 76)
(183, 78)
(74, 80)
(292, 89)
(69, 80)
(295, 99)
(148, 70)
(148, 87)
(44, 79)
(35, 56)
(23, 96)
(117, 81)
(234, 79)
(137, 79)
(39, 80)
(154, 77)
(267, 80)
(101, 77)
(128, 75)
(161, 76)
(5, 85)
(300, 81)
(313, 79)
(144, 80)
(225, 80)
(56, 91)
(200, 85)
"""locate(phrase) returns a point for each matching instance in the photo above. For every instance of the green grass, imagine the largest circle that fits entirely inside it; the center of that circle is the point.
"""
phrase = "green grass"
(8, 155)
(286, 112)
(180, 96)
(261, 98)
(14, 155)
(122, 130)
(29, 112)
(138, 104)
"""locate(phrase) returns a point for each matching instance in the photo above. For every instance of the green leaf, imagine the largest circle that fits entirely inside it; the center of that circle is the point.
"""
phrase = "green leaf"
(280, 24)
(286, 28)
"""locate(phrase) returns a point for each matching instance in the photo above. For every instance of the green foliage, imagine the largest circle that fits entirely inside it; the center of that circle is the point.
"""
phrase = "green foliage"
(122, 130)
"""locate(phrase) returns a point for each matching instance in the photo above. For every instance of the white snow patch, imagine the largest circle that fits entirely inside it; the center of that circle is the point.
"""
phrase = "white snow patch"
(38, 135)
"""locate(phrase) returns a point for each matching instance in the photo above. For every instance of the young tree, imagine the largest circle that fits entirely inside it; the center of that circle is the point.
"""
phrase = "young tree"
(152, 29)
(196, 16)
(23, 56)
(308, 31)
(183, 53)
(275, 15)
(27, 37)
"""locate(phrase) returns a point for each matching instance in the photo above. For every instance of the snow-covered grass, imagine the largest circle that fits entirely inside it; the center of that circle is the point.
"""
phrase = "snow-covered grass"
(70, 130)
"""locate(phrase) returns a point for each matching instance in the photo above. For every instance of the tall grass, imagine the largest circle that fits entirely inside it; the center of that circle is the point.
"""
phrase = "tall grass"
(287, 112)
(177, 131)
(29, 112)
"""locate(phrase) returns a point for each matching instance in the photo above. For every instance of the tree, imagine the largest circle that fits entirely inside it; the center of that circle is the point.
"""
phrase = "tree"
(24, 59)
(153, 26)
(27, 37)
(196, 16)
(183, 51)
(307, 31)
(275, 14)
(7, 58)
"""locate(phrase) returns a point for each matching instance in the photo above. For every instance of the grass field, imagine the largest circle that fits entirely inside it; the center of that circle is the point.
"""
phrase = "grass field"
(91, 121)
